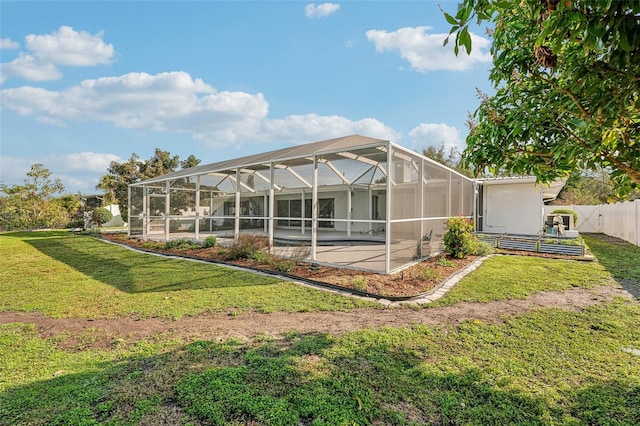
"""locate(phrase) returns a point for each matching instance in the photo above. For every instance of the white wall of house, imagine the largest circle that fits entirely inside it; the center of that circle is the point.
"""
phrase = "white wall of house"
(117, 217)
(512, 207)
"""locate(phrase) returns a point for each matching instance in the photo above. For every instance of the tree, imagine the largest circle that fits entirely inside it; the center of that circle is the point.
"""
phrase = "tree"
(567, 81)
(100, 216)
(120, 175)
(116, 182)
(33, 205)
(450, 158)
(590, 188)
(191, 161)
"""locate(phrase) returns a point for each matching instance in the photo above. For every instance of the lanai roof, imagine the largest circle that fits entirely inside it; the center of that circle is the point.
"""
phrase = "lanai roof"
(345, 143)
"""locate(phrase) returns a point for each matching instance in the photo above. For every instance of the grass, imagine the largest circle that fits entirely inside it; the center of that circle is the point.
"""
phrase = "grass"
(550, 366)
(518, 277)
(547, 367)
(622, 260)
(65, 275)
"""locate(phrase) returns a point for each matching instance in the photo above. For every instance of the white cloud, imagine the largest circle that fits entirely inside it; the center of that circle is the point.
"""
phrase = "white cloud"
(321, 10)
(29, 68)
(64, 47)
(425, 51)
(77, 171)
(432, 134)
(311, 127)
(82, 161)
(7, 43)
(70, 47)
(176, 102)
(53, 121)
(162, 102)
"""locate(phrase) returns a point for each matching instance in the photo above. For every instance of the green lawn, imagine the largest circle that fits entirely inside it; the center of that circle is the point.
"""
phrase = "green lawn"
(518, 277)
(65, 275)
(550, 366)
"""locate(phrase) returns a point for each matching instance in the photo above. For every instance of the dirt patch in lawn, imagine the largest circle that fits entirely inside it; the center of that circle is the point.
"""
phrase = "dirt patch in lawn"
(82, 334)
(421, 278)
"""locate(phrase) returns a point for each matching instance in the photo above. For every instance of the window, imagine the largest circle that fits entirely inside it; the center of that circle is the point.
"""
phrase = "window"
(293, 209)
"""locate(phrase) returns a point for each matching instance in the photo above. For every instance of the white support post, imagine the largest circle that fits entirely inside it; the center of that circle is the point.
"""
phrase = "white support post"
(271, 204)
(265, 200)
(474, 205)
(637, 213)
(421, 203)
(210, 210)
(349, 211)
(302, 210)
(167, 210)
(236, 231)
(129, 214)
(370, 208)
(387, 243)
(197, 224)
(448, 194)
(314, 210)
(145, 213)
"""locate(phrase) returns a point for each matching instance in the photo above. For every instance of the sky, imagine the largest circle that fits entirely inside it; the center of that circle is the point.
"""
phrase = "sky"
(84, 83)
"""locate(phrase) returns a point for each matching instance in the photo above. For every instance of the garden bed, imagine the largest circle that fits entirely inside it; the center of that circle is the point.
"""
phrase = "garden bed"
(416, 280)
(542, 244)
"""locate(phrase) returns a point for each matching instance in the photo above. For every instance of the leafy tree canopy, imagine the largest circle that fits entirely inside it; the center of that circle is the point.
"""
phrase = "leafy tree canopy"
(120, 175)
(33, 204)
(567, 80)
(448, 157)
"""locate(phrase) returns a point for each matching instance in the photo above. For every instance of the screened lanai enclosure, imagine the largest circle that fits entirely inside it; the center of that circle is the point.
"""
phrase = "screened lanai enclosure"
(353, 202)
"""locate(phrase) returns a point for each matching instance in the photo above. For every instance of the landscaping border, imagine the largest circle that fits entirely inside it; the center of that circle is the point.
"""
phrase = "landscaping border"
(420, 298)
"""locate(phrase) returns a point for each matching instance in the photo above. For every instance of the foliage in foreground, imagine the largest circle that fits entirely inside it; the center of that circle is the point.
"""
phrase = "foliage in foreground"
(566, 79)
(65, 275)
(459, 240)
(550, 366)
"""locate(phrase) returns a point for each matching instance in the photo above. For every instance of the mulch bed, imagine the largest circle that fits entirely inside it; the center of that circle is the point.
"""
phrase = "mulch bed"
(418, 279)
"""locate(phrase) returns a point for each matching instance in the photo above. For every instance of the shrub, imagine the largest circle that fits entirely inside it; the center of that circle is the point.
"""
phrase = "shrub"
(182, 244)
(360, 283)
(100, 216)
(484, 249)
(427, 273)
(443, 261)
(567, 211)
(261, 256)
(246, 246)
(459, 240)
(283, 265)
(210, 241)
(151, 245)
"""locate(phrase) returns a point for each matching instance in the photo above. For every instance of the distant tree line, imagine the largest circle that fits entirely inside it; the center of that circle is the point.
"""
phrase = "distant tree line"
(41, 202)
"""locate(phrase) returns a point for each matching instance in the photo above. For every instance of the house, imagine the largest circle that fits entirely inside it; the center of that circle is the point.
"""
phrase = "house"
(354, 202)
(513, 205)
(93, 201)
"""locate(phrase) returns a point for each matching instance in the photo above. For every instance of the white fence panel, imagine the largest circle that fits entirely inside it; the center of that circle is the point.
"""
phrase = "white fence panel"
(620, 220)
(589, 217)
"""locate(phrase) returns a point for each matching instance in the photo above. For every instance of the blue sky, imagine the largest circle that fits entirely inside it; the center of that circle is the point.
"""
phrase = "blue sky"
(83, 83)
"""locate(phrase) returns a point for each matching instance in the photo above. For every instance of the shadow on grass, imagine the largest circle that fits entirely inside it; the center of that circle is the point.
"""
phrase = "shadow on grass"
(303, 380)
(133, 272)
(620, 258)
